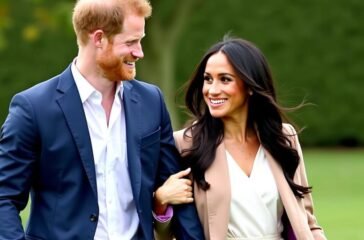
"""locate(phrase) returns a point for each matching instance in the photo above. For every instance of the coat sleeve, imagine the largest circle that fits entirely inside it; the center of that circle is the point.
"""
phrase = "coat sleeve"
(301, 178)
(185, 222)
(17, 157)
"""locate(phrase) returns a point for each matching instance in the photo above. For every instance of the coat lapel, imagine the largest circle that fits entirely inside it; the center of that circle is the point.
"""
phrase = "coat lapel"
(133, 122)
(72, 108)
(218, 197)
(215, 215)
(214, 210)
(292, 209)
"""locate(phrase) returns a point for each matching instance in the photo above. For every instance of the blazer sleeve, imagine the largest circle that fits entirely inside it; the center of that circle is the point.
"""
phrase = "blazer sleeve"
(17, 157)
(301, 178)
(163, 230)
(185, 222)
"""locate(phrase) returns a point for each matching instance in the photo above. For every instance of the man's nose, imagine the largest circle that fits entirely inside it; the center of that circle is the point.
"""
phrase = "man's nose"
(138, 51)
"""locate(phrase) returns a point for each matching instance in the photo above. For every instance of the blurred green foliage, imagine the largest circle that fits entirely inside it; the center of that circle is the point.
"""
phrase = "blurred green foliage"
(314, 47)
(36, 42)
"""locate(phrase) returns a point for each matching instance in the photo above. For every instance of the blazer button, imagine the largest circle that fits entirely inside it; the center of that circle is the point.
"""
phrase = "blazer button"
(93, 217)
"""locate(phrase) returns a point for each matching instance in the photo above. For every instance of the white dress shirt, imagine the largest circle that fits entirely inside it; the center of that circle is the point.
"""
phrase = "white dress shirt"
(118, 217)
(256, 208)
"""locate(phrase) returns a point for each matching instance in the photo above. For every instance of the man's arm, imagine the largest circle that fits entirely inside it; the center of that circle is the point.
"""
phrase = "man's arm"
(185, 223)
(17, 142)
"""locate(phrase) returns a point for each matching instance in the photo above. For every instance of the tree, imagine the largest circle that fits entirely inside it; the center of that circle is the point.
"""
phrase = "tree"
(4, 22)
(313, 54)
(168, 21)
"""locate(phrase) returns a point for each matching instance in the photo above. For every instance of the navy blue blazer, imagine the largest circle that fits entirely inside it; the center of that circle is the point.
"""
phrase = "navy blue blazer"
(45, 149)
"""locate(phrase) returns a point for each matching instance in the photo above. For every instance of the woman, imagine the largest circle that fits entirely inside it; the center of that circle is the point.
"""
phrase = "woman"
(246, 164)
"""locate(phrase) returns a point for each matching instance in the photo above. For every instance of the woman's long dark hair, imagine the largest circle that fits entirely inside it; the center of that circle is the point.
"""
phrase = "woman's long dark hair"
(264, 114)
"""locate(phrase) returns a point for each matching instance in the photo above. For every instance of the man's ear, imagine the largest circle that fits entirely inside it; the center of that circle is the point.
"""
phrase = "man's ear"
(97, 38)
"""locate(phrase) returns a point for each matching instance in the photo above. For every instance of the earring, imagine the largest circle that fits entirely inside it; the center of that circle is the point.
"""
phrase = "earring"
(250, 92)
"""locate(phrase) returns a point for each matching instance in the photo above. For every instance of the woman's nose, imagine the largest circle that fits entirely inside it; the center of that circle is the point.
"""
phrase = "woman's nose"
(214, 88)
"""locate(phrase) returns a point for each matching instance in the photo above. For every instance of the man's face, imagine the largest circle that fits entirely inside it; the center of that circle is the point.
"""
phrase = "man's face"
(118, 56)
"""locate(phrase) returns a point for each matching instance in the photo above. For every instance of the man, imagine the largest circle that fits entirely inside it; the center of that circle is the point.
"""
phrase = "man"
(90, 146)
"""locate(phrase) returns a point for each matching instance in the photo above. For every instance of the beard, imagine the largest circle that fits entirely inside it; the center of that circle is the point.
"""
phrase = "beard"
(113, 67)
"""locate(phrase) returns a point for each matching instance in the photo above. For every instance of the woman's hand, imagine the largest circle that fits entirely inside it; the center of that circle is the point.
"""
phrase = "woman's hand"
(176, 190)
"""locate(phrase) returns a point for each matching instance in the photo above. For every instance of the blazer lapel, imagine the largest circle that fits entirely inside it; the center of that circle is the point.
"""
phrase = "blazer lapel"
(72, 108)
(132, 109)
(213, 205)
(218, 197)
(295, 215)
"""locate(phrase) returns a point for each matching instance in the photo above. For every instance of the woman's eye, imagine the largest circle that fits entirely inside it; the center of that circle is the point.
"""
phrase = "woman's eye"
(207, 78)
(226, 79)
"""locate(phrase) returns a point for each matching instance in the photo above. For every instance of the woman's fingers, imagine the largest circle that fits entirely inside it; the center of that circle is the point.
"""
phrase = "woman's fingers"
(182, 173)
(182, 199)
(188, 188)
(176, 190)
(189, 194)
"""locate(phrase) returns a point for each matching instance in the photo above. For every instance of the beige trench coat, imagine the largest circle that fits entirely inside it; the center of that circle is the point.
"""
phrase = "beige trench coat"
(213, 206)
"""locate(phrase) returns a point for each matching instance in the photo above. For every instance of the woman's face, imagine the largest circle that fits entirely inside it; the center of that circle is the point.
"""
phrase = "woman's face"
(224, 92)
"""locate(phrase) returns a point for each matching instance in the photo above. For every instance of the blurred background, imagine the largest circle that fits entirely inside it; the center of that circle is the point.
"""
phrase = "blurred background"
(315, 49)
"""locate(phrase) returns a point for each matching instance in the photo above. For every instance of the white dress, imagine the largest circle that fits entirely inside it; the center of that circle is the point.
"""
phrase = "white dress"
(256, 208)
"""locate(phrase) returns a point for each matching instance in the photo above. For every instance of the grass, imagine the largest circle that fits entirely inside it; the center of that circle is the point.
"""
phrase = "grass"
(337, 180)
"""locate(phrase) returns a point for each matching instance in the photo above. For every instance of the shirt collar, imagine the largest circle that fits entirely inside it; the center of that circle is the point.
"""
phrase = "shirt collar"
(85, 89)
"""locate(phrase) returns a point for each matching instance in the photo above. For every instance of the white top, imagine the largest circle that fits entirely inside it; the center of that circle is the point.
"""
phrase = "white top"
(256, 208)
(118, 217)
